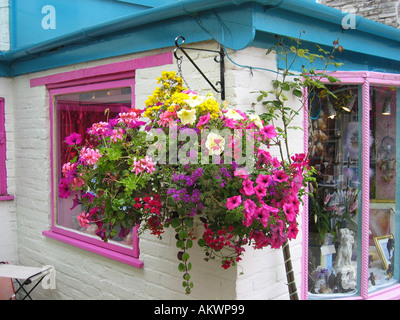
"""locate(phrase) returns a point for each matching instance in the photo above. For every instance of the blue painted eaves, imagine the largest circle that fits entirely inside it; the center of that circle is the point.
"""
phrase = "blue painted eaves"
(200, 20)
(148, 3)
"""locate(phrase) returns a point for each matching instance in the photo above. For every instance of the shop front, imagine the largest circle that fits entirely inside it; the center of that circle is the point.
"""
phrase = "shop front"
(353, 214)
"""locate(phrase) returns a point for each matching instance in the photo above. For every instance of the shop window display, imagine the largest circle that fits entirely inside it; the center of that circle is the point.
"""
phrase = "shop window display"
(335, 198)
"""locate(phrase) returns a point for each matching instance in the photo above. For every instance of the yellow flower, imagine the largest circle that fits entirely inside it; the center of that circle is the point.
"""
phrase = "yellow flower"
(187, 116)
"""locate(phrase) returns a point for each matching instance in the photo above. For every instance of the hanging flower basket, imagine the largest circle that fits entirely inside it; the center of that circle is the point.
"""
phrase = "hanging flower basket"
(186, 156)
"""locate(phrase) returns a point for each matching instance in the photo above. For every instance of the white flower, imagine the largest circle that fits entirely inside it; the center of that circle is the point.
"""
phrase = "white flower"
(233, 114)
(187, 116)
(256, 119)
(194, 100)
(215, 143)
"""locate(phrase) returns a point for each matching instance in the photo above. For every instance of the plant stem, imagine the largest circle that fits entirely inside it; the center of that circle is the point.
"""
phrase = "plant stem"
(289, 272)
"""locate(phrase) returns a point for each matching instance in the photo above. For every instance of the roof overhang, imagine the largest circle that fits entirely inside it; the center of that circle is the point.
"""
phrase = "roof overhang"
(235, 24)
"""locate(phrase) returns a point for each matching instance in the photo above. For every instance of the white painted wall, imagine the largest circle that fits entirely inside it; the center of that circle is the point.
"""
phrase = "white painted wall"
(4, 25)
(85, 275)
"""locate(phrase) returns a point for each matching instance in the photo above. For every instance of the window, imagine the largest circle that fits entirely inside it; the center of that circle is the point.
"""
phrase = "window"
(352, 233)
(78, 99)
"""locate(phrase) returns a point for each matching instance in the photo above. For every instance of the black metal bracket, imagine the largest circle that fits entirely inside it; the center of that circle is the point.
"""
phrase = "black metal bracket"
(218, 59)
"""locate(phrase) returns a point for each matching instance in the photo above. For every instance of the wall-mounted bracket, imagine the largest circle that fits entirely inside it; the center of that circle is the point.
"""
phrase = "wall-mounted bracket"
(218, 59)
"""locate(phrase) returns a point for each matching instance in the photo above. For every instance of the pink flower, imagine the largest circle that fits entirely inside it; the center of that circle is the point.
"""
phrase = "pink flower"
(90, 156)
(83, 219)
(241, 172)
(280, 176)
(233, 202)
(203, 120)
(63, 189)
(247, 187)
(290, 212)
(260, 191)
(116, 134)
(265, 212)
(68, 169)
(145, 164)
(268, 132)
(264, 156)
(264, 180)
(166, 117)
(249, 212)
(292, 231)
(74, 138)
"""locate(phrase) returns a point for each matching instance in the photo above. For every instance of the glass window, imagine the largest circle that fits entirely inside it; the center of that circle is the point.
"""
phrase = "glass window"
(382, 186)
(75, 110)
(338, 217)
(334, 200)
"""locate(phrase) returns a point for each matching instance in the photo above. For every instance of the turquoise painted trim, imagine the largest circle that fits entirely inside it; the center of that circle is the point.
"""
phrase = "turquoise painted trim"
(324, 32)
(219, 20)
(152, 37)
(68, 16)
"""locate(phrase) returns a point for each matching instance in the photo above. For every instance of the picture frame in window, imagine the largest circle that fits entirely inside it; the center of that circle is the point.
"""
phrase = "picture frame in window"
(385, 252)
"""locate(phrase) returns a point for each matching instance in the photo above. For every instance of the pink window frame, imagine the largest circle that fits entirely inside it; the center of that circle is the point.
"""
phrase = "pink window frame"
(3, 154)
(96, 78)
(366, 80)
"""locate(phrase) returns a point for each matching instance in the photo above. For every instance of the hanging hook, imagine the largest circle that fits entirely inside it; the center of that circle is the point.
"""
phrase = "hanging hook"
(219, 59)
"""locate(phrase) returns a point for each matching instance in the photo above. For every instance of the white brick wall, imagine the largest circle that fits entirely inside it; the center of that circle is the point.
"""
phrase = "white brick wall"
(4, 25)
(84, 275)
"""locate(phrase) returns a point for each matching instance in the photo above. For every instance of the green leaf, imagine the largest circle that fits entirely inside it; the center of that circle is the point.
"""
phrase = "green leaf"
(185, 256)
(189, 244)
(201, 243)
(175, 222)
(181, 267)
(189, 222)
(298, 93)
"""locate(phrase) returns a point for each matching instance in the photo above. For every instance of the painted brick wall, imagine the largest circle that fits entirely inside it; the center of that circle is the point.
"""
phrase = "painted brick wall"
(383, 11)
(84, 275)
(4, 25)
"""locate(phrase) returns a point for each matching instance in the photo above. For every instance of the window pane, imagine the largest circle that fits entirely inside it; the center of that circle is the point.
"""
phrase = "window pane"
(382, 186)
(76, 112)
(333, 205)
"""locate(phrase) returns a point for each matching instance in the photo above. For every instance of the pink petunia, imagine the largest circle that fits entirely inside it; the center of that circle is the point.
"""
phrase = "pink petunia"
(249, 210)
(233, 202)
(260, 191)
(241, 172)
(280, 176)
(292, 231)
(74, 138)
(203, 120)
(290, 212)
(268, 132)
(264, 180)
(247, 189)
